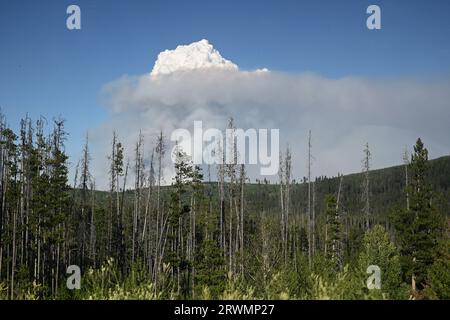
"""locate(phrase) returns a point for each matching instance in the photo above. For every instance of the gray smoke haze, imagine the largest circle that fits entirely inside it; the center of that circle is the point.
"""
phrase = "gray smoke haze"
(343, 114)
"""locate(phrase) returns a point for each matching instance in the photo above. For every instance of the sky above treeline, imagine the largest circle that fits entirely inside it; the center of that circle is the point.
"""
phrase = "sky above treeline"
(327, 72)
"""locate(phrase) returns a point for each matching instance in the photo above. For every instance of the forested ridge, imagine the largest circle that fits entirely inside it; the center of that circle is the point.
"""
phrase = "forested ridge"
(215, 235)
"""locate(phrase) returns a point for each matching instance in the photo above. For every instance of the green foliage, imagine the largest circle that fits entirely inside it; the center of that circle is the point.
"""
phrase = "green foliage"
(3, 291)
(380, 251)
(418, 227)
(345, 285)
(106, 283)
(333, 232)
(191, 240)
(210, 268)
(438, 281)
(236, 289)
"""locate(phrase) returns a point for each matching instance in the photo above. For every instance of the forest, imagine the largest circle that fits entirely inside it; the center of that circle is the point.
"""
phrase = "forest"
(210, 233)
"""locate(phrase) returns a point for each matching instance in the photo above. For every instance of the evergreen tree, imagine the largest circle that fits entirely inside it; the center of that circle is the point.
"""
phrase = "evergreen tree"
(418, 228)
(59, 203)
(438, 280)
(333, 233)
(210, 268)
(178, 242)
(377, 249)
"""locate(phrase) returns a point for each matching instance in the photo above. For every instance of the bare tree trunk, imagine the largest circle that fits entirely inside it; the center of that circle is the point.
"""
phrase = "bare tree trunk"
(406, 164)
(13, 262)
(160, 151)
(366, 187)
(137, 194)
(221, 178)
(112, 190)
(122, 262)
(231, 168)
(310, 240)
(313, 219)
(242, 219)
(92, 226)
(147, 219)
(282, 218)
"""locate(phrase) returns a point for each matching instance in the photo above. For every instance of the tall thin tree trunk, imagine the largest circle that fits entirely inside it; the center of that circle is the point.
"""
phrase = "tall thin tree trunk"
(310, 241)
(366, 194)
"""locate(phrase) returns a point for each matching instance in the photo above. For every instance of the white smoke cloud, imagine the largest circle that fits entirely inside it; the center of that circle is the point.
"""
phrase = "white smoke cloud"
(195, 83)
(197, 55)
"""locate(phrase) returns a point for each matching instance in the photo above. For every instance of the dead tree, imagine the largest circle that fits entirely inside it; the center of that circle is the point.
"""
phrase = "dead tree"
(310, 218)
(92, 240)
(231, 160)
(161, 223)
(221, 182)
(366, 185)
(146, 230)
(406, 164)
(241, 229)
(139, 177)
(282, 199)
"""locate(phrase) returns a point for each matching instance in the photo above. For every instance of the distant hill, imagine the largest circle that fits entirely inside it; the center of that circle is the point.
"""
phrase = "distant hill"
(386, 187)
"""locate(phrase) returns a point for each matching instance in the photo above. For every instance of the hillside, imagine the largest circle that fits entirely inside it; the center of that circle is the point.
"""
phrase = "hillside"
(386, 190)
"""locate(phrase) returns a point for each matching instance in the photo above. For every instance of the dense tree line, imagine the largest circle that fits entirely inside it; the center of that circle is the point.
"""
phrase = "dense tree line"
(203, 239)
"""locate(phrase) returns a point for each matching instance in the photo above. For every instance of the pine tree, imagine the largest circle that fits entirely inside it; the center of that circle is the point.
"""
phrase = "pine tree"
(210, 268)
(378, 250)
(10, 200)
(85, 210)
(59, 202)
(419, 228)
(182, 221)
(117, 201)
(438, 277)
(333, 229)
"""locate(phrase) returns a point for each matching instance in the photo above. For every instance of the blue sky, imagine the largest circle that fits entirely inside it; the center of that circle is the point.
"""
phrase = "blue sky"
(49, 70)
